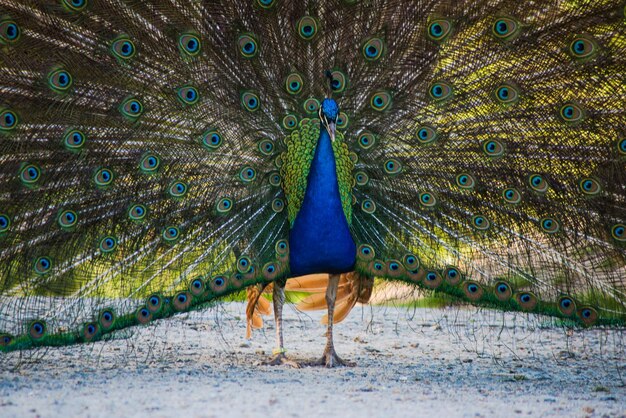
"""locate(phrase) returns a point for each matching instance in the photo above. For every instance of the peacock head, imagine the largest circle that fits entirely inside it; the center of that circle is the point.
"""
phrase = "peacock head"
(328, 115)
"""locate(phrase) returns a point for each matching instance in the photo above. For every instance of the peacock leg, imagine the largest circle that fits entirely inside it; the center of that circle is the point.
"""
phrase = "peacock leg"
(279, 357)
(330, 357)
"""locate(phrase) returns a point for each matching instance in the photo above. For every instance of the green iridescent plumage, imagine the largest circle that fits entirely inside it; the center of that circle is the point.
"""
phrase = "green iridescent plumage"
(295, 163)
(153, 156)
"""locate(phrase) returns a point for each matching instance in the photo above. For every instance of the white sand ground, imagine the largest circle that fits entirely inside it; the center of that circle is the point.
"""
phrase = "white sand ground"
(411, 363)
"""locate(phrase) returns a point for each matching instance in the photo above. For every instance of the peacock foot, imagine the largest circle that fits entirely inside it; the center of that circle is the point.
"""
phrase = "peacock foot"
(281, 359)
(330, 359)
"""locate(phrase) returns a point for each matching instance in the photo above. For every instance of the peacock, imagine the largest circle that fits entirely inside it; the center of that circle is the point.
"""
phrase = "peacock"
(158, 156)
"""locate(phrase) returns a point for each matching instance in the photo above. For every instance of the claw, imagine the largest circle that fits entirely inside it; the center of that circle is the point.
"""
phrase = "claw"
(281, 359)
(330, 359)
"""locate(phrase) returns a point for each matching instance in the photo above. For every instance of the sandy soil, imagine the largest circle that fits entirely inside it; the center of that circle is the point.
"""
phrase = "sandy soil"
(411, 363)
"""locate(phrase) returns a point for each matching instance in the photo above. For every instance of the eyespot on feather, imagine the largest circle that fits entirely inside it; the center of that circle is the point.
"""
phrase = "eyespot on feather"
(182, 301)
(123, 48)
(527, 301)
(473, 291)
(538, 183)
(366, 140)
(503, 291)
(583, 47)
(465, 181)
(248, 45)
(432, 280)
(8, 120)
(380, 101)
(137, 212)
(566, 306)
(440, 91)
(365, 252)
(250, 101)
(373, 49)
(439, 29)
(505, 28)
(211, 140)
(511, 195)
(453, 276)
(294, 84)
(103, 177)
(189, 44)
(37, 330)
(307, 28)
(10, 31)
(106, 319)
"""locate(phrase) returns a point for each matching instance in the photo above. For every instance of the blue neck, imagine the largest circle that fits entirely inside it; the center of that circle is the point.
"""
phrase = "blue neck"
(320, 239)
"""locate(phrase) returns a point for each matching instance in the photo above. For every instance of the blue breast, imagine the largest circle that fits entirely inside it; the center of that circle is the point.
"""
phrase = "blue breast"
(320, 239)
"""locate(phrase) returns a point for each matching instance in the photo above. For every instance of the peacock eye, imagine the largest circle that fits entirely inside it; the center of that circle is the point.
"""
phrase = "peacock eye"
(440, 91)
(342, 121)
(538, 183)
(426, 135)
(189, 44)
(582, 47)
(294, 83)
(618, 232)
(211, 140)
(250, 101)
(589, 186)
(290, 122)
(103, 177)
(439, 29)
(8, 120)
(150, 163)
(247, 174)
(188, 95)
(42, 265)
(5, 223)
(248, 46)
(361, 178)
(549, 225)
(368, 206)
(465, 181)
(307, 27)
(131, 108)
(60, 81)
(30, 174)
(170, 234)
(427, 199)
(177, 189)
(380, 101)
(507, 94)
(571, 112)
(67, 219)
(75, 5)
(312, 106)
(9, 31)
(137, 212)
(74, 140)
(123, 48)
(480, 222)
(373, 49)
(266, 4)
(392, 166)
(108, 244)
(224, 205)
(505, 28)
(493, 148)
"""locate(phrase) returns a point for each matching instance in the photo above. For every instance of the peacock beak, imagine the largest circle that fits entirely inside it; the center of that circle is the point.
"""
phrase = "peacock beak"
(331, 130)
(330, 127)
